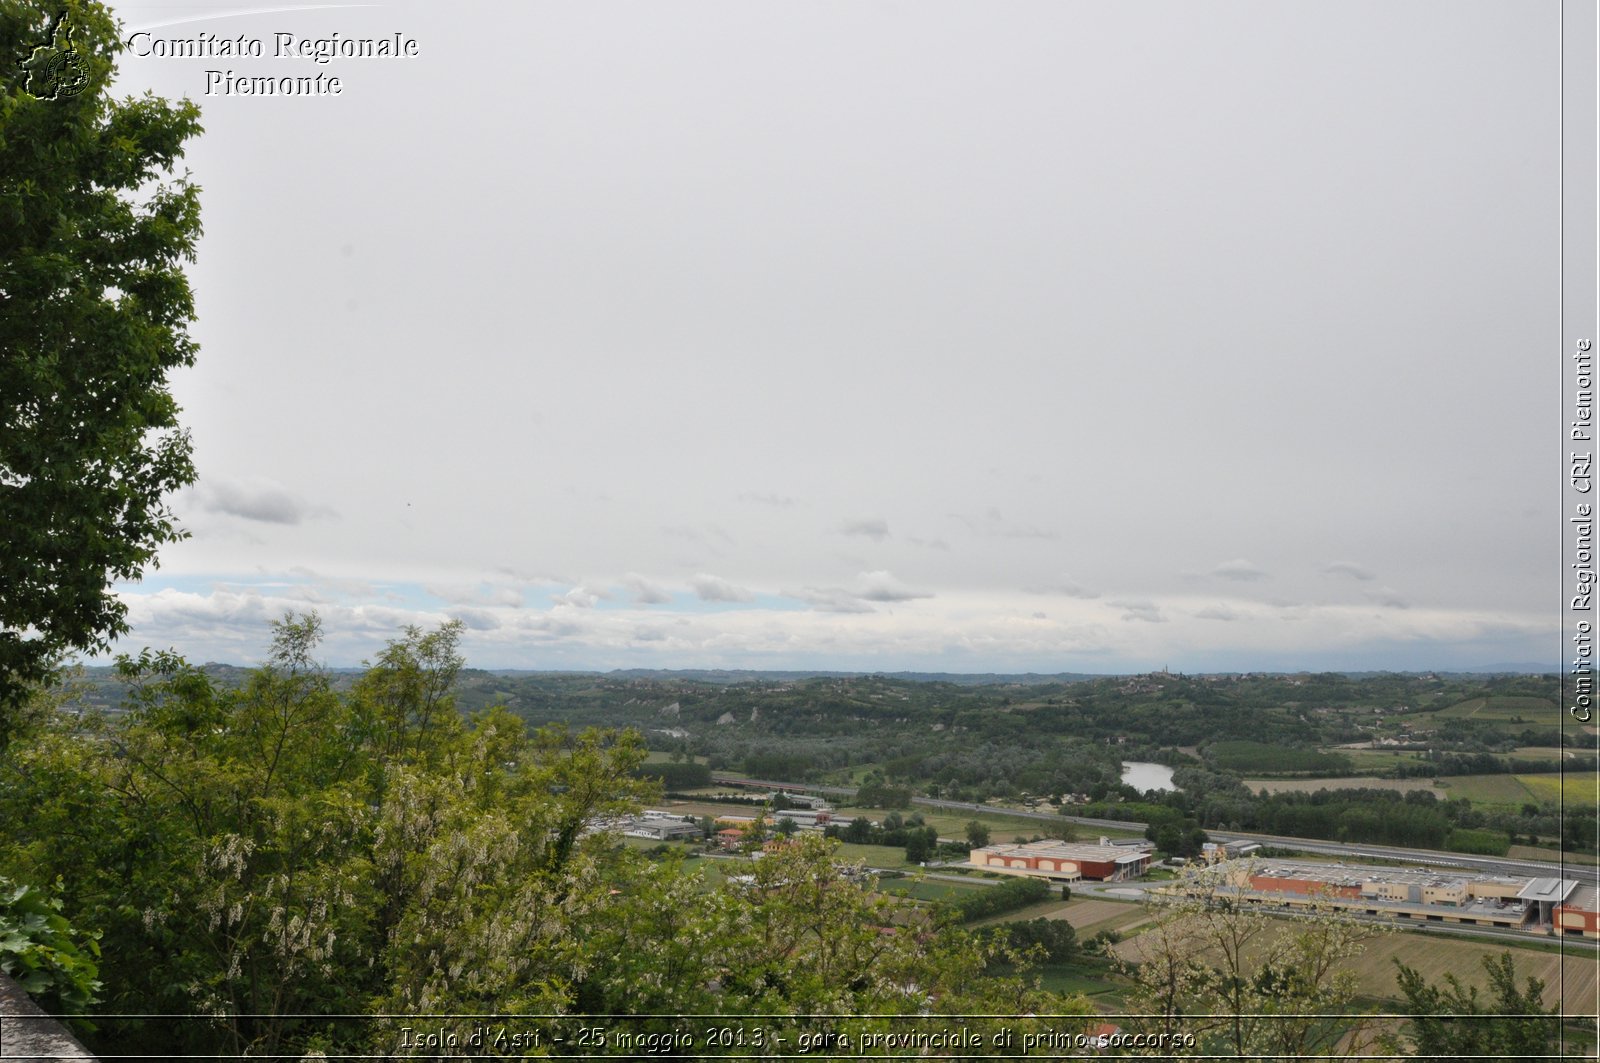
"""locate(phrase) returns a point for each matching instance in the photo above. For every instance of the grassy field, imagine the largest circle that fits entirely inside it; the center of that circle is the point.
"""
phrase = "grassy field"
(886, 857)
(1087, 916)
(1569, 981)
(928, 889)
(1510, 714)
(1246, 756)
(1092, 915)
(656, 756)
(1378, 761)
(1550, 855)
(1540, 753)
(1002, 828)
(1097, 983)
(1489, 789)
(1509, 709)
(1575, 788)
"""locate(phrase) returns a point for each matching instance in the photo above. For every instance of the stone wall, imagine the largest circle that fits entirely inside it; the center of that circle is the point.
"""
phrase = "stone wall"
(28, 1035)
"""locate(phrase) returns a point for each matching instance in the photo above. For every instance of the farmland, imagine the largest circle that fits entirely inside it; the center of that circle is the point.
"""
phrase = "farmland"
(1569, 980)
(1347, 782)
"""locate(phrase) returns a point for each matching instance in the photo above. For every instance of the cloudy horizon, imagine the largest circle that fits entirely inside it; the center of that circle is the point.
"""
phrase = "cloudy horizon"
(1052, 337)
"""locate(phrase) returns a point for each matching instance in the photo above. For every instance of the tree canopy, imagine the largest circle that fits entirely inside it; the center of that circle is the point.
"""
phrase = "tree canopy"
(280, 851)
(94, 312)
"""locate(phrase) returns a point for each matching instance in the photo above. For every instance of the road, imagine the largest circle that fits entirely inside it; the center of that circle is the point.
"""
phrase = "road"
(1491, 865)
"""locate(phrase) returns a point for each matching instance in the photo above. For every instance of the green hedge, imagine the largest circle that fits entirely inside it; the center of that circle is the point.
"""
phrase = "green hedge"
(1008, 896)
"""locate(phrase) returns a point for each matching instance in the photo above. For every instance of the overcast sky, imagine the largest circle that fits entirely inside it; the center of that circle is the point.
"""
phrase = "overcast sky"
(965, 336)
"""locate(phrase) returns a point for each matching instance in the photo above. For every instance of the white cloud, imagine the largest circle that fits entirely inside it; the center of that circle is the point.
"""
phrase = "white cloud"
(956, 631)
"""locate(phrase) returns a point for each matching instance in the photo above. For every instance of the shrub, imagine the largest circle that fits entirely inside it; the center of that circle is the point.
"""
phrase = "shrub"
(51, 961)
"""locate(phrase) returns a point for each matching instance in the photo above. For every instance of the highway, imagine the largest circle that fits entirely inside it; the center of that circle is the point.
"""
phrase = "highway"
(1491, 865)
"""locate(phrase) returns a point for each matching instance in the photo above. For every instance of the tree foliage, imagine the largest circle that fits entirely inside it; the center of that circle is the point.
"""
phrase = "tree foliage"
(94, 311)
(50, 959)
(1241, 982)
(1451, 1022)
(264, 855)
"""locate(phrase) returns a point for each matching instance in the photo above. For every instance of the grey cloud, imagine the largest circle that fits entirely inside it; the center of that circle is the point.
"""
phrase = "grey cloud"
(476, 619)
(484, 594)
(711, 537)
(873, 528)
(578, 598)
(644, 592)
(350, 588)
(1149, 612)
(992, 524)
(1388, 597)
(1218, 612)
(931, 544)
(529, 576)
(716, 589)
(764, 498)
(883, 587)
(1350, 569)
(262, 501)
(831, 600)
(1069, 587)
(1240, 570)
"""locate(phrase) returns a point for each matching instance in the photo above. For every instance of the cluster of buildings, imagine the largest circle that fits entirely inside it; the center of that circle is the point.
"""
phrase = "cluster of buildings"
(1066, 861)
(1425, 895)
(806, 812)
(661, 826)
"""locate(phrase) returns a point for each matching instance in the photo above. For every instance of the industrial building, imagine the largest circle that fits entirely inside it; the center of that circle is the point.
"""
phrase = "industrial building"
(1064, 861)
(1416, 894)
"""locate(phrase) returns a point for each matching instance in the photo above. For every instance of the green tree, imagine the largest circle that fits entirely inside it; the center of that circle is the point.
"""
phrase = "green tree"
(920, 844)
(1451, 1022)
(94, 315)
(1242, 982)
(279, 849)
(977, 834)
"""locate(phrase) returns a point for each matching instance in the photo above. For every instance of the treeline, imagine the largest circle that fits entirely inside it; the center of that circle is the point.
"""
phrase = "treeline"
(1417, 819)
(1054, 940)
(1445, 764)
(921, 842)
(1271, 758)
(675, 777)
(1006, 896)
